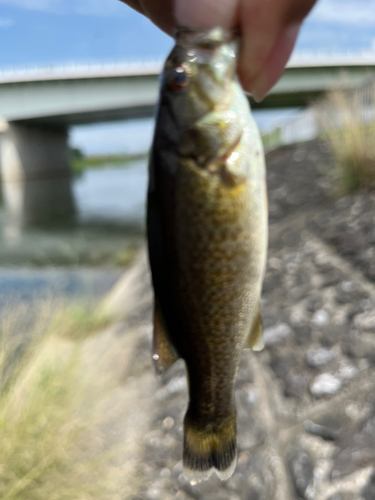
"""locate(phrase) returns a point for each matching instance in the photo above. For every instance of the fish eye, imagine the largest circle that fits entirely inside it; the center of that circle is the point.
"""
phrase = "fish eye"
(181, 79)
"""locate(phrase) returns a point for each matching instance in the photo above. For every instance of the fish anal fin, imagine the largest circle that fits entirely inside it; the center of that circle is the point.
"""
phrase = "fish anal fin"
(255, 341)
(163, 354)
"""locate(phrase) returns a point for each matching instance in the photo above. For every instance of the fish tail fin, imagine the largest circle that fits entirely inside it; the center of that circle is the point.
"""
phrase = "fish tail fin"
(210, 448)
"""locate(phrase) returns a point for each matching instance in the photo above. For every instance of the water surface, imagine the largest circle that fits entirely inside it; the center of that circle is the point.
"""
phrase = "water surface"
(83, 254)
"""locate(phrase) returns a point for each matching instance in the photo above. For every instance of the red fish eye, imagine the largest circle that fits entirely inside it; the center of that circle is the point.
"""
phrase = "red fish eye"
(180, 80)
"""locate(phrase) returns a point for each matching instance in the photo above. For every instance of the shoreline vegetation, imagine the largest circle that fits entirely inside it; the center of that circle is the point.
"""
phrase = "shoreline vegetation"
(59, 380)
(80, 163)
(346, 119)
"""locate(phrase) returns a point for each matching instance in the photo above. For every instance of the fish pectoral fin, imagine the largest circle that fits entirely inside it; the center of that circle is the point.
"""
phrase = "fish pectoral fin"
(164, 354)
(255, 341)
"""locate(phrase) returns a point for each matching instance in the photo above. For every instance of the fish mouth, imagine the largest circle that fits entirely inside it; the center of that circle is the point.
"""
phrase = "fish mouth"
(205, 38)
(215, 163)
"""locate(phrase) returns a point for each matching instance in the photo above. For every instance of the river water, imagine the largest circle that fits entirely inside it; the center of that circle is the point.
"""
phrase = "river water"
(85, 255)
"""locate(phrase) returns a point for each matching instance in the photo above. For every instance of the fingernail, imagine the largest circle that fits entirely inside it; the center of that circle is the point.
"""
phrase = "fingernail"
(276, 63)
(205, 13)
(259, 89)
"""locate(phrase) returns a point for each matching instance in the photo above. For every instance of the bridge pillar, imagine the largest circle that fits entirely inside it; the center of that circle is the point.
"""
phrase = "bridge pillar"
(35, 174)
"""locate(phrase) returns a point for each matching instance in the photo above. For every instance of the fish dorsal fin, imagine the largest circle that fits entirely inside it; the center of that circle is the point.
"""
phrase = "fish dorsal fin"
(255, 341)
(163, 354)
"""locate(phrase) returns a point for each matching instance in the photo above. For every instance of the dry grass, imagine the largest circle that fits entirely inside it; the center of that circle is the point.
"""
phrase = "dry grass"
(77, 322)
(342, 118)
(52, 445)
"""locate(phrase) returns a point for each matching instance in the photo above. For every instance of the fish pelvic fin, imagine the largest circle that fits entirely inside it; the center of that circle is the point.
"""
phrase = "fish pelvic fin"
(163, 353)
(255, 341)
(210, 449)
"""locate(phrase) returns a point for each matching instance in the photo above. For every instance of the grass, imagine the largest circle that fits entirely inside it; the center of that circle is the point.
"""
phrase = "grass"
(77, 322)
(271, 139)
(82, 163)
(51, 442)
(352, 140)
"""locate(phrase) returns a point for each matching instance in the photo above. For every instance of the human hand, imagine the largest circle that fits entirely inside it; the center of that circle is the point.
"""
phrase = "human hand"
(269, 30)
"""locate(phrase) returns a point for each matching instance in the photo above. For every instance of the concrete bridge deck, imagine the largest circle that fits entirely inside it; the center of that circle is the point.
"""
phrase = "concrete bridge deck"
(72, 95)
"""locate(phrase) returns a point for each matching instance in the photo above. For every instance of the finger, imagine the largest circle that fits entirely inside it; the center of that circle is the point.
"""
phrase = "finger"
(160, 12)
(206, 13)
(264, 25)
(276, 63)
(134, 4)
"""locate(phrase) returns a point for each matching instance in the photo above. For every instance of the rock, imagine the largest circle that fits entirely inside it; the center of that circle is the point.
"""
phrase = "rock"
(168, 423)
(347, 371)
(331, 277)
(281, 365)
(291, 239)
(328, 428)
(245, 374)
(276, 334)
(357, 450)
(237, 483)
(317, 358)
(368, 492)
(325, 384)
(251, 438)
(302, 333)
(302, 468)
(165, 473)
(181, 495)
(343, 495)
(177, 469)
(221, 495)
(175, 386)
(210, 489)
(313, 304)
(296, 385)
(365, 321)
(355, 309)
(355, 347)
(155, 491)
(299, 155)
(332, 334)
(320, 318)
(347, 293)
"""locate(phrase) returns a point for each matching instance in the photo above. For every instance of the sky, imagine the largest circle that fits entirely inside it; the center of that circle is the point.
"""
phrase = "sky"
(51, 32)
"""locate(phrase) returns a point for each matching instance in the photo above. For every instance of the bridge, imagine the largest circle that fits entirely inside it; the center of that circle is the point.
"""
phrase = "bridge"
(37, 106)
(73, 95)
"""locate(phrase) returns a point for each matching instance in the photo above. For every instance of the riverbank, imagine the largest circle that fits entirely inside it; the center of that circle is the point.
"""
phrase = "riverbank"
(305, 404)
(74, 403)
(79, 163)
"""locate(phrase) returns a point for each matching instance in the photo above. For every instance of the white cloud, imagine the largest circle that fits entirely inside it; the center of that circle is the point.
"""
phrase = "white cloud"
(44, 5)
(81, 7)
(6, 22)
(100, 8)
(352, 12)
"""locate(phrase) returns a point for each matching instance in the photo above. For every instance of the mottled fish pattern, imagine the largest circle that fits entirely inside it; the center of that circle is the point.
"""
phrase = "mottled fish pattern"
(207, 237)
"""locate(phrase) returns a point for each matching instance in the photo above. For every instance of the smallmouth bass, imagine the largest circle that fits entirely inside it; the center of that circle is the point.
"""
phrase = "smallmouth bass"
(207, 237)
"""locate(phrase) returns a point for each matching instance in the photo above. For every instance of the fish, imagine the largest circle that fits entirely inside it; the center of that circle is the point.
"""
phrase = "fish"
(207, 233)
